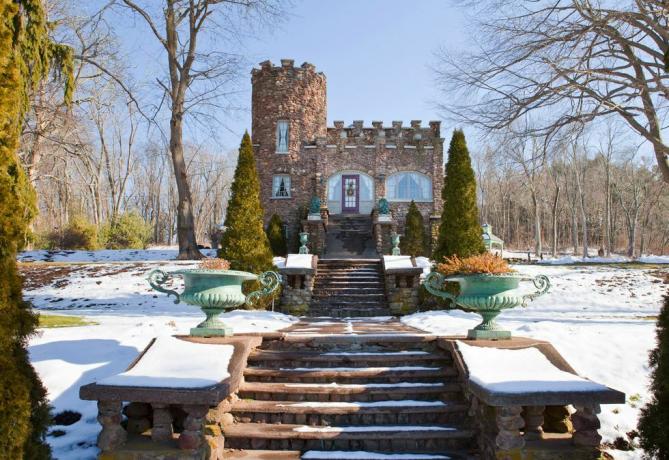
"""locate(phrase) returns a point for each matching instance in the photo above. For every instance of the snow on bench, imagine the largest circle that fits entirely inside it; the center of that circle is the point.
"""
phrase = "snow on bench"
(174, 363)
(526, 376)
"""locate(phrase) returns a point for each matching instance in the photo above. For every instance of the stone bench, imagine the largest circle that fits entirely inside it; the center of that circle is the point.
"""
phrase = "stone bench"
(181, 419)
(512, 414)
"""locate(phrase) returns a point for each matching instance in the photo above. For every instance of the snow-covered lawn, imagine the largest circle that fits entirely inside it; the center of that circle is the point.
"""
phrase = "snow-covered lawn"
(600, 318)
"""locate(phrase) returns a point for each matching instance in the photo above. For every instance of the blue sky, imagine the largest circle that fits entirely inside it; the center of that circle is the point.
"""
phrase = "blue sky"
(376, 55)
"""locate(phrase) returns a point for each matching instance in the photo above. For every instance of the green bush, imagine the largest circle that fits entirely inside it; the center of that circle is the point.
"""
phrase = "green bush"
(413, 243)
(654, 420)
(78, 234)
(276, 236)
(128, 231)
(459, 232)
(244, 243)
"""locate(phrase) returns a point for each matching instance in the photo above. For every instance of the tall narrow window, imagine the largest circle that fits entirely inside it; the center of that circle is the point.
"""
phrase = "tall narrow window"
(281, 186)
(282, 136)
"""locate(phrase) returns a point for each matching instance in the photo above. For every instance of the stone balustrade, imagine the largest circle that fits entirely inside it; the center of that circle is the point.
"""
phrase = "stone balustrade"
(402, 285)
(175, 423)
(555, 425)
(298, 287)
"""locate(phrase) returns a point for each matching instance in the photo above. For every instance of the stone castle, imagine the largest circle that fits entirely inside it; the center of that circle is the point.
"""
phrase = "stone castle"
(349, 168)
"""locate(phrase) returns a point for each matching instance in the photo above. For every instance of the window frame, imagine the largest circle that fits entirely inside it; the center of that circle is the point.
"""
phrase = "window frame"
(395, 199)
(287, 185)
(277, 145)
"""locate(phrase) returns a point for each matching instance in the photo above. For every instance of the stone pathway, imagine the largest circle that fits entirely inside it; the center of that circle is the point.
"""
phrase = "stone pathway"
(337, 387)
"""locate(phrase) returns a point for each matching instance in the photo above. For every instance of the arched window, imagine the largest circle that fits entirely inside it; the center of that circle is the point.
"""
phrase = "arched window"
(407, 186)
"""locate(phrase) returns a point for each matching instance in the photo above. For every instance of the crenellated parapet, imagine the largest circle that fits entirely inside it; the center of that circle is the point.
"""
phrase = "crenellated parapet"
(396, 135)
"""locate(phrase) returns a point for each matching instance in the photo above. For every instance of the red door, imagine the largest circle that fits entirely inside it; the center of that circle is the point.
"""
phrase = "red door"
(350, 192)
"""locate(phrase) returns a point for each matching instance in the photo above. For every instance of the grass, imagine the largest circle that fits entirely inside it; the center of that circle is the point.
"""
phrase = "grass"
(49, 321)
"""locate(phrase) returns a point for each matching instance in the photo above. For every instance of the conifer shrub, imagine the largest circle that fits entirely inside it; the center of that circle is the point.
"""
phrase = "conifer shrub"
(459, 232)
(127, 231)
(26, 55)
(654, 420)
(276, 236)
(413, 243)
(244, 242)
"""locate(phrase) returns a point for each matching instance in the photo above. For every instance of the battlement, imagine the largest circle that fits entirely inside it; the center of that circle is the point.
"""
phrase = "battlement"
(356, 133)
(287, 65)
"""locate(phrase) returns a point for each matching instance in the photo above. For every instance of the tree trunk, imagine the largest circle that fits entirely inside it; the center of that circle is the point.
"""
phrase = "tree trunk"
(607, 212)
(554, 220)
(185, 221)
(537, 225)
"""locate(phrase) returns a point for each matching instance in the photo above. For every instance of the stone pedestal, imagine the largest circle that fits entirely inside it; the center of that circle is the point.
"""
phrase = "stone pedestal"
(586, 426)
(112, 435)
(162, 429)
(534, 420)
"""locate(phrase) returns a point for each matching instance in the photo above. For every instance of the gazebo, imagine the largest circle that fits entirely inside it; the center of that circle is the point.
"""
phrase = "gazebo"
(492, 242)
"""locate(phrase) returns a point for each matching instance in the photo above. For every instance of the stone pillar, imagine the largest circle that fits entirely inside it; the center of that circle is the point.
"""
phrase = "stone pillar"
(162, 423)
(192, 436)
(586, 423)
(557, 420)
(139, 417)
(112, 435)
(509, 423)
(534, 420)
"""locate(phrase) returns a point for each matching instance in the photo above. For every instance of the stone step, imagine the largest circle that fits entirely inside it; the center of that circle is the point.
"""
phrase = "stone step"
(328, 311)
(271, 358)
(347, 375)
(353, 297)
(251, 454)
(351, 281)
(320, 291)
(345, 413)
(246, 454)
(349, 392)
(388, 438)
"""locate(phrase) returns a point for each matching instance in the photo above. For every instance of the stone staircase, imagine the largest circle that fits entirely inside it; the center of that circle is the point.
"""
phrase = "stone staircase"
(350, 236)
(349, 287)
(354, 393)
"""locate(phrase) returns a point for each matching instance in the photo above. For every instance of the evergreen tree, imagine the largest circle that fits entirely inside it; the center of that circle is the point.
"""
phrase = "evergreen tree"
(413, 243)
(26, 55)
(244, 243)
(459, 232)
(654, 420)
(276, 237)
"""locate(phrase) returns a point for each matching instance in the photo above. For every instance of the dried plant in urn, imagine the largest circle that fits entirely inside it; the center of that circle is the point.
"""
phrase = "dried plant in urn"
(215, 264)
(486, 263)
(487, 285)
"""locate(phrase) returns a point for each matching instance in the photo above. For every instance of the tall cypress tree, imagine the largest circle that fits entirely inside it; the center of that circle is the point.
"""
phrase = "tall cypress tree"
(244, 243)
(26, 55)
(460, 231)
(654, 418)
(413, 243)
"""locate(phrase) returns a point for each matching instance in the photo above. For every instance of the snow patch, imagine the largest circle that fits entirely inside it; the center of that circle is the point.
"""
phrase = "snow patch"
(519, 371)
(174, 363)
(393, 403)
(364, 429)
(299, 261)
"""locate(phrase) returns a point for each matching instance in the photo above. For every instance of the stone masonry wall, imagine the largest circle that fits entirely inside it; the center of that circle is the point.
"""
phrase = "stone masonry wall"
(295, 94)
(315, 151)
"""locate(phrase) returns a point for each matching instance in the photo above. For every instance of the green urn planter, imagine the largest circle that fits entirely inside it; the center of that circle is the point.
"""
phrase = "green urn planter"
(486, 295)
(214, 291)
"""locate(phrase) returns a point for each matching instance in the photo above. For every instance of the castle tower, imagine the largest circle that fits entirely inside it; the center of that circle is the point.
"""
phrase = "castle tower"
(288, 110)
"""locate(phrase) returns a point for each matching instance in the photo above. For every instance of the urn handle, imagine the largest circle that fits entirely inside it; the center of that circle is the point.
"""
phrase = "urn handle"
(158, 277)
(269, 281)
(542, 284)
(434, 283)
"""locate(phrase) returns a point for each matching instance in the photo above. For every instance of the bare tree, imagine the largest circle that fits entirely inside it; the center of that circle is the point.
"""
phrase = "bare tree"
(196, 76)
(568, 62)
